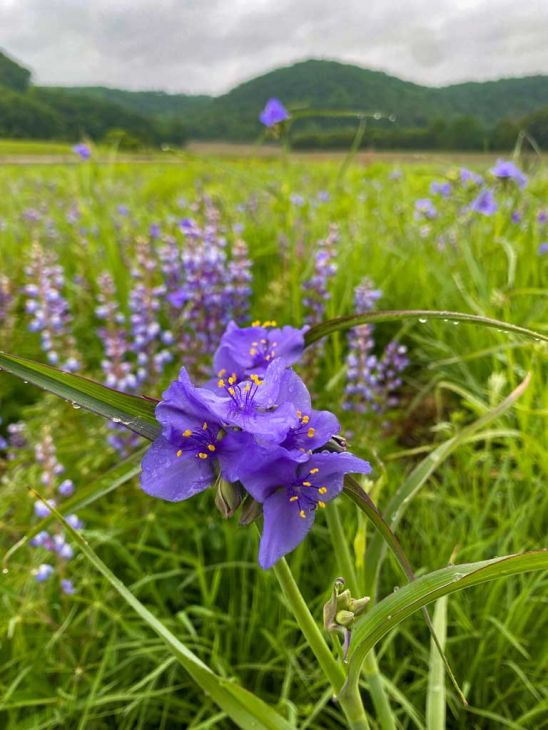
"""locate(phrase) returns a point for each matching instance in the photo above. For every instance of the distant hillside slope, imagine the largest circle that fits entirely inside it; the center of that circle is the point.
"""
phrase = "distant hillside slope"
(332, 85)
(12, 75)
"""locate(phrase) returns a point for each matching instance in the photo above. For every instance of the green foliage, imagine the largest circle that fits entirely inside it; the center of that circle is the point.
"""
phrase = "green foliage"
(12, 75)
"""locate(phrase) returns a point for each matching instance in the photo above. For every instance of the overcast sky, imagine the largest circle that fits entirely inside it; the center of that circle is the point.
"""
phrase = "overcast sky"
(211, 45)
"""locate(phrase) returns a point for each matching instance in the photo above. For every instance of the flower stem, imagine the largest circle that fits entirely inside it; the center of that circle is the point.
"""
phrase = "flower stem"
(351, 704)
(348, 572)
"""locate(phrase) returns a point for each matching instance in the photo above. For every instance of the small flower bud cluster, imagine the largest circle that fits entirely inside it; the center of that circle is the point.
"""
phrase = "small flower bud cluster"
(6, 302)
(371, 381)
(238, 285)
(317, 287)
(55, 488)
(49, 309)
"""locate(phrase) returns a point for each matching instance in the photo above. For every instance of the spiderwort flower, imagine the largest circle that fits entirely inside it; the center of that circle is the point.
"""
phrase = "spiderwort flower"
(469, 177)
(43, 572)
(247, 350)
(542, 249)
(484, 203)
(273, 113)
(67, 586)
(291, 492)
(506, 170)
(82, 150)
(425, 208)
(441, 188)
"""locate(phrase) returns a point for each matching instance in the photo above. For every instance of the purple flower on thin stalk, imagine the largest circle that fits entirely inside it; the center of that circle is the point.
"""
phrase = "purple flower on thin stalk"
(542, 217)
(273, 113)
(469, 178)
(82, 150)
(43, 572)
(291, 492)
(506, 170)
(50, 315)
(247, 350)
(542, 249)
(424, 208)
(516, 216)
(441, 188)
(325, 268)
(484, 203)
(67, 586)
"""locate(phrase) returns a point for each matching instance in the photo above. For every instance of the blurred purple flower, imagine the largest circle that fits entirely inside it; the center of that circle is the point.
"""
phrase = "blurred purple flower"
(273, 113)
(43, 572)
(507, 170)
(441, 188)
(484, 203)
(424, 208)
(542, 249)
(469, 177)
(82, 150)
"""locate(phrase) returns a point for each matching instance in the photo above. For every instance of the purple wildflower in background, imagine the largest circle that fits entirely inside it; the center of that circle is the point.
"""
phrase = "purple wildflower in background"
(291, 492)
(250, 350)
(542, 217)
(273, 113)
(323, 196)
(424, 208)
(516, 216)
(325, 268)
(297, 200)
(154, 231)
(82, 150)
(441, 188)
(484, 203)
(238, 281)
(506, 170)
(43, 572)
(67, 586)
(49, 309)
(469, 177)
(542, 249)
(6, 299)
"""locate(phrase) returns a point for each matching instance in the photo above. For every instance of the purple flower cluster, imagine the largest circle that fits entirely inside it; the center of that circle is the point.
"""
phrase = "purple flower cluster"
(49, 309)
(484, 203)
(317, 287)
(424, 208)
(508, 171)
(441, 188)
(254, 425)
(274, 113)
(55, 488)
(372, 382)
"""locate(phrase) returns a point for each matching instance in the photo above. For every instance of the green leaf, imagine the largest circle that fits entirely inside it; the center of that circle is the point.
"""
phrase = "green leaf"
(343, 323)
(398, 606)
(435, 696)
(108, 482)
(135, 412)
(421, 473)
(243, 707)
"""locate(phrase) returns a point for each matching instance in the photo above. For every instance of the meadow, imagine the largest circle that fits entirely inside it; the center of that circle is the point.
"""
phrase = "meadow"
(125, 272)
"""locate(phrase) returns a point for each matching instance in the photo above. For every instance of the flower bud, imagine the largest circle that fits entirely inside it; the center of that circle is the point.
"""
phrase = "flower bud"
(228, 497)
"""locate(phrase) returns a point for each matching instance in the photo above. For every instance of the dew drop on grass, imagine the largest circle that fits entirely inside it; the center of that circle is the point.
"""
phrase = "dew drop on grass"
(422, 320)
(116, 420)
(76, 406)
(5, 571)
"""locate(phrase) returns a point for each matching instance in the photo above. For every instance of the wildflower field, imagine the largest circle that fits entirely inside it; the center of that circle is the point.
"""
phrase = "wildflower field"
(125, 603)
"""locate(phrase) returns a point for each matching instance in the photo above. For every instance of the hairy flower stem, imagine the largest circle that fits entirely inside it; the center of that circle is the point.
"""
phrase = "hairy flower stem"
(347, 570)
(351, 704)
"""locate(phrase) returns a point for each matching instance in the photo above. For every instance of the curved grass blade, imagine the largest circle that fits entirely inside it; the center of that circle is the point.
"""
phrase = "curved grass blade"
(133, 411)
(343, 323)
(108, 482)
(419, 476)
(243, 707)
(396, 607)
(435, 696)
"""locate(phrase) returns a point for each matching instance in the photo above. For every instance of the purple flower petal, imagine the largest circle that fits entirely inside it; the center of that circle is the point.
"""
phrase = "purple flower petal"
(171, 477)
(283, 529)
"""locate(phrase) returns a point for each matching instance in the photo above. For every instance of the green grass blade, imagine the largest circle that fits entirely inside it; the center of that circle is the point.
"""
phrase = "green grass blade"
(134, 412)
(243, 707)
(398, 606)
(343, 323)
(419, 476)
(435, 696)
(108, 482)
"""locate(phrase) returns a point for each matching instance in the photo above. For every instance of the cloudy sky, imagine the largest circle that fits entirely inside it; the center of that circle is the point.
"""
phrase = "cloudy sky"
(211, 45)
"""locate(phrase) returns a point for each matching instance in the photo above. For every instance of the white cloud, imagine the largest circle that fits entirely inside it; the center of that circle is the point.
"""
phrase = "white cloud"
(210, 45)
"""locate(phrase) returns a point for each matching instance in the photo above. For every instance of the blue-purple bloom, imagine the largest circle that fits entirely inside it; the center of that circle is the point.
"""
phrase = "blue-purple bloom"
(507, 170)
(424, 208)
(273, 113)
(247, 350)
(255, 425)
(542, 249)
(484, 203)
(82, 150)
(67, 586)
(441, 188)
(469, 177)
(43, 572)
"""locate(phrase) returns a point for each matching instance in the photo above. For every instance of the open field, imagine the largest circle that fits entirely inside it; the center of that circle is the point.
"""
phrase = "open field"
(121, 237)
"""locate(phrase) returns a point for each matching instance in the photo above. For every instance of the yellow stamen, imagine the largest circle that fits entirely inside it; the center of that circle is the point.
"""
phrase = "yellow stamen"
(310, 433)
(231, 390)
(293, 499)
(247, 388)
(211, 447)
(322, 490)
(221, 383)
(302, 514)
(305, 419)
(253, 351)
(232, 379)
(315, 470)
(202, 455)
(321, 504)
(273, 323)
(256, 323)
(307, 484)
(187, 433)
(204, 426)
(299, 414)
(179, 453)
(221, 372)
